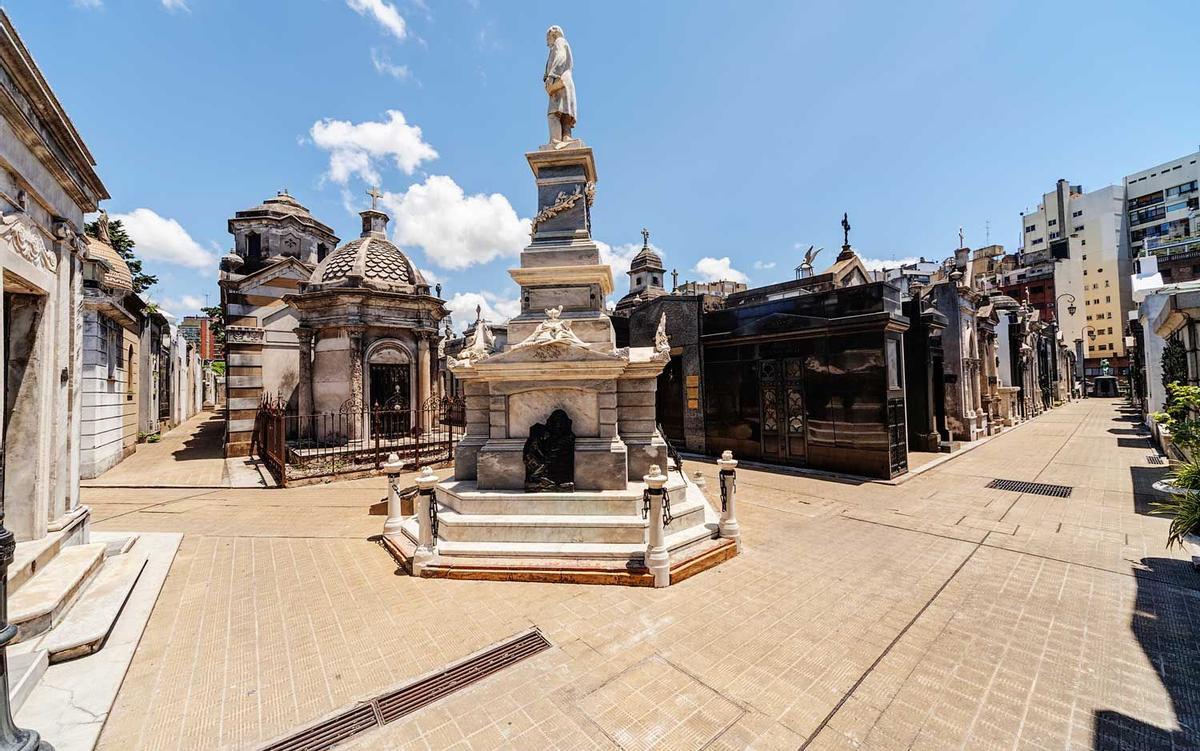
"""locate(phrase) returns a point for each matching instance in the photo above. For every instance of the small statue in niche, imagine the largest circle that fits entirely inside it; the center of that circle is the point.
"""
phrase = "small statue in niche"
(550, 455)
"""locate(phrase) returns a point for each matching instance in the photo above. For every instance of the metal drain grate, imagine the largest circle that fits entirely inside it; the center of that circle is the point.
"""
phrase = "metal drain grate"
(408, 699)
(1036, 488)
(1155, 459)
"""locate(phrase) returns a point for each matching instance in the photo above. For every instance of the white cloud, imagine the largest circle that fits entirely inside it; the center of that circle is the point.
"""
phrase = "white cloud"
(158, 238)
(357, 148)
(173, 5)
(384, 13)
(876, 264)
(456, 230)
(495, 309)
(718, 269)
(763, 265)
(178, 307)
(89, 4)
(383, 64)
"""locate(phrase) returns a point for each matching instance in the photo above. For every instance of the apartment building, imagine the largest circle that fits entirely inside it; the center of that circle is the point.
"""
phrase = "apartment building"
(1162, 207)
(1075, 245)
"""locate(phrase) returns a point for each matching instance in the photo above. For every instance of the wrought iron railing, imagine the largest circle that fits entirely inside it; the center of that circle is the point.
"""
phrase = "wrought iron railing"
(355, 440)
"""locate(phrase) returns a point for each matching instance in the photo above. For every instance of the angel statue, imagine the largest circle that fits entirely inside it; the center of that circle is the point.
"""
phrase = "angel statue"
(553, 330)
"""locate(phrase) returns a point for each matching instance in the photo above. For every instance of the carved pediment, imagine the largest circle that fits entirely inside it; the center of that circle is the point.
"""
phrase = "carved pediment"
(23, 234)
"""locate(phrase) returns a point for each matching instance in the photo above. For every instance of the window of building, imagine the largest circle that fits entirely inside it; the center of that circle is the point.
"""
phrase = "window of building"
(1089, 318)
(1055, 235)
(1109, 316)
(1108, 298)
(1085, 258)
(253, 245)
(1078, 228)
(1083, 242)
(1052, 223)
(1177, 206)
(1179, 190)
(1031, 228)
(1105, 282)
(1038, 241)
(1085, 272)
(1078, 213)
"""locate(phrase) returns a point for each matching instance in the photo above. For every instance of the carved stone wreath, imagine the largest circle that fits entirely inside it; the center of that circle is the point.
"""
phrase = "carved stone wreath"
(563, 202)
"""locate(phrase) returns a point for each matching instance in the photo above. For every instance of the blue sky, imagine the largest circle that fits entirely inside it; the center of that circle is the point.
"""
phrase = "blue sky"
(731, 130)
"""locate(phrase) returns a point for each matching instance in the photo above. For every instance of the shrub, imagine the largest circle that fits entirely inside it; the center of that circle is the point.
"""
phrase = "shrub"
(1185, 512)
(1183, 404)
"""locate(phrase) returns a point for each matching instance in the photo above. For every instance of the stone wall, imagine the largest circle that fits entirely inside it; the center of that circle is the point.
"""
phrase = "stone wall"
(105, 383)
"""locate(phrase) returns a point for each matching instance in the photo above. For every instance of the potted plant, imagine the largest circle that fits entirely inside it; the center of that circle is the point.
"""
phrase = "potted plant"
(1184, 510)
(1180, 425)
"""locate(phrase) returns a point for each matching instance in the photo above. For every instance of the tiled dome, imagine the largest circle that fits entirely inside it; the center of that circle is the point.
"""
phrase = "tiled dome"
(118, 277)
(373, 259)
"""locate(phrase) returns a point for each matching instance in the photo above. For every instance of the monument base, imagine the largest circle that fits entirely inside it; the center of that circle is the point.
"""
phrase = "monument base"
(596, 537)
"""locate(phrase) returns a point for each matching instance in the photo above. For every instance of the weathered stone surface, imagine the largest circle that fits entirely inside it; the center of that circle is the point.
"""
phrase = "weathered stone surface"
(529, 407)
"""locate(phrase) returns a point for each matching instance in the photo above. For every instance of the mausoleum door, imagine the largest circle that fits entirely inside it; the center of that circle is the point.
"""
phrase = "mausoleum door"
(781, 386)
(669, 401)
(390, 389)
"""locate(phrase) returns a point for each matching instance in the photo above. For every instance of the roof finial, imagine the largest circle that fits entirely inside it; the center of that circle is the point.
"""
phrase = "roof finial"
(845, 230)
(645, 238)
(960, 237)
(375, 196)
(478, 312)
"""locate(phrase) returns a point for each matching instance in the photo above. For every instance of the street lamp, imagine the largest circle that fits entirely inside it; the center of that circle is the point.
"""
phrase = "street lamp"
(1071, 309)
(1081, 354)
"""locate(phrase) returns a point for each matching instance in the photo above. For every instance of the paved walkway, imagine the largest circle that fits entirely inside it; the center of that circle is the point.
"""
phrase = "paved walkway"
(934, 614)
(191, 455)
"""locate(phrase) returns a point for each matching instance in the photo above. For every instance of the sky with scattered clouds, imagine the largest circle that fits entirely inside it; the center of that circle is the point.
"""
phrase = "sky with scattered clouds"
(737, 134)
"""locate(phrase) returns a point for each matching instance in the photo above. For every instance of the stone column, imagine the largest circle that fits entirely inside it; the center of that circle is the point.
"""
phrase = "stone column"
(305, 337)
(422, 379)
(658, 560)
(426, 510)
(395, 515)
(728, 525)
(356, 380)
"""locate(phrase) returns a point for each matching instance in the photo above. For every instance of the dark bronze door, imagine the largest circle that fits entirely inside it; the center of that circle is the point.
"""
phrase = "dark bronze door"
(390, 408)
(781, 410)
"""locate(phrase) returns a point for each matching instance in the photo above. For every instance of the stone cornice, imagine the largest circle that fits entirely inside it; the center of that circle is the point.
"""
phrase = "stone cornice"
(57, 145)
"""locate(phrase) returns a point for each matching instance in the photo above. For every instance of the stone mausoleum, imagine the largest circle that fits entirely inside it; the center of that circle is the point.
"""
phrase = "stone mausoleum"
(367, 328)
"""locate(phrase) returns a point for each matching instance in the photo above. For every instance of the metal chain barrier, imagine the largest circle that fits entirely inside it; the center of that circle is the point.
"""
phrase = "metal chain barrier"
(666, 508)
(725, 489)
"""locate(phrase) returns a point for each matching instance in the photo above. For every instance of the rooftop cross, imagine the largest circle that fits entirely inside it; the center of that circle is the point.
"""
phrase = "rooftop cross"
(845, 229)
(645, 238)
(375, 196)
(960, 237)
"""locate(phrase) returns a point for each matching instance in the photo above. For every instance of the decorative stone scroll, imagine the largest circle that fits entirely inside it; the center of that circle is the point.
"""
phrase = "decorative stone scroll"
(22, 233)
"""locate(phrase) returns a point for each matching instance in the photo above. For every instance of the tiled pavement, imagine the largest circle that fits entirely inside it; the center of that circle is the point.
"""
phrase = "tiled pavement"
(189, 455)
(934, 614)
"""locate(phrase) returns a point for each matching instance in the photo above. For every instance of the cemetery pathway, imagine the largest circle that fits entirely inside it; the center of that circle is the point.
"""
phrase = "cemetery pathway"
(934, 614)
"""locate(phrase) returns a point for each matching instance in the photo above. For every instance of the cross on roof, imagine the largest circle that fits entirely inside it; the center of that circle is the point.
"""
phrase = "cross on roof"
(375, 196)
(845, 229)
(645, 237)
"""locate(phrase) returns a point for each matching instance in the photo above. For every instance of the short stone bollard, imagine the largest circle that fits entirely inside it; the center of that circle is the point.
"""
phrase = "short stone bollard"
(658, 560)
(395, 515)
(727, 477)
(426, 511)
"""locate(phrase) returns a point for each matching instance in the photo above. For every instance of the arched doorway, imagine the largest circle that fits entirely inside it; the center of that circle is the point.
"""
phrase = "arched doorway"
(389, 389)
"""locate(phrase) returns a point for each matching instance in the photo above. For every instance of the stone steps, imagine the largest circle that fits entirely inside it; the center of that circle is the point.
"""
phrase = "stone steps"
(24, 671)
(89, 622)
(464, 498)
(581, 528)
(30, 557)
(542, 549)
(43, 601)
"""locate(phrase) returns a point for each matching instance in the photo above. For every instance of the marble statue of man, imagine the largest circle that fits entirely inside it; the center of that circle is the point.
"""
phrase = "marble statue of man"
(560, 87)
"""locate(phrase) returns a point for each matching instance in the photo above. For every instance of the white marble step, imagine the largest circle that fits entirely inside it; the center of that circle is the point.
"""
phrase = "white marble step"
(582, 528)
(44, 600)
(24, 671)
(93, 616)
(30, 557)
(584, 551)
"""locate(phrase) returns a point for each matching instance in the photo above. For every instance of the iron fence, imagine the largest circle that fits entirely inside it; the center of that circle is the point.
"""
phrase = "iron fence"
(356, 439)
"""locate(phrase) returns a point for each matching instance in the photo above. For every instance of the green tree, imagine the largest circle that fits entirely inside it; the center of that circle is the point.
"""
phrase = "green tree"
(216, 322)
(123, 244)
